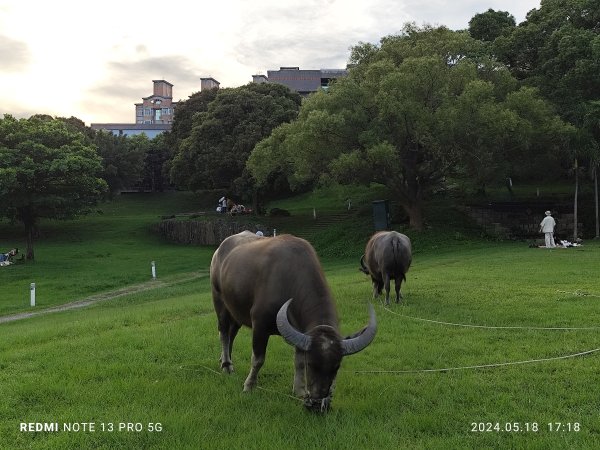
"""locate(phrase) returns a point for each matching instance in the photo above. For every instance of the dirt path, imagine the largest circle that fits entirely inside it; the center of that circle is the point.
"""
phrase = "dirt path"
(133, 289)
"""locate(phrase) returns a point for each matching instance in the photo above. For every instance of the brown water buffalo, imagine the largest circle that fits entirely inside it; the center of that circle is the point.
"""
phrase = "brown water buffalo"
(387, 255)
(275, 285)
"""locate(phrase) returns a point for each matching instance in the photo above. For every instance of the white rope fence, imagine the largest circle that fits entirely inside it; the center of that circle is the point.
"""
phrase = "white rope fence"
(482, 366)
(578, 293)
(488, 366)
(486, 327)
(449, 369)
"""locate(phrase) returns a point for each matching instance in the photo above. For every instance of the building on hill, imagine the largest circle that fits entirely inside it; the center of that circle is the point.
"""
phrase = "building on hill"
(208, 83)
(157, 108)
(304, 82)
(154, 115)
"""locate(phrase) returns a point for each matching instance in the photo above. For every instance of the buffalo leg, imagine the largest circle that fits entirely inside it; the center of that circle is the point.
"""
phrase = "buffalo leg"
(386, 283)
(230, 337)
(259, 350)
(228, 329)
(398, 283)
(227, 332)
(377, 286)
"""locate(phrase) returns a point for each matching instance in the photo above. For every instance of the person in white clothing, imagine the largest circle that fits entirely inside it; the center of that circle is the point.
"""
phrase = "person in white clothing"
(547, 227)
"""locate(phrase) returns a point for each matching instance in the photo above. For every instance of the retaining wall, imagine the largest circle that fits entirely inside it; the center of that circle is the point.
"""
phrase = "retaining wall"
(202, 232)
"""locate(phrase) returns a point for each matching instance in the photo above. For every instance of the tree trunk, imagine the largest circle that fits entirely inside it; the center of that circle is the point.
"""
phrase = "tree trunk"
(415, 216)
(255, 201)
(575, 201)
(29, 229)
(596, 199)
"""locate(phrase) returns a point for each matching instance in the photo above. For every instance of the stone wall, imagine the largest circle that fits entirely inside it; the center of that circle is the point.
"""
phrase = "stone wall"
(202, 232)
(521, 220)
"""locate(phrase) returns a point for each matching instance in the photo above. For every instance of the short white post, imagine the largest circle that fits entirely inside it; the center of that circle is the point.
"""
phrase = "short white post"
(314, 213)
(153, 270)
(32, 289)
(274, 231)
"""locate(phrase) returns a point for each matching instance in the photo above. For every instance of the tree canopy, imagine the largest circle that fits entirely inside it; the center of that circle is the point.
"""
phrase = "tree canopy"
(557, 49)
(221, 138)
(46, 171)
(122, 158)
(487, 26)
(423, 105)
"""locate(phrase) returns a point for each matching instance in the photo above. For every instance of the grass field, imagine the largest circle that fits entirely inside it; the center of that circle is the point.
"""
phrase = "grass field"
(150, 358)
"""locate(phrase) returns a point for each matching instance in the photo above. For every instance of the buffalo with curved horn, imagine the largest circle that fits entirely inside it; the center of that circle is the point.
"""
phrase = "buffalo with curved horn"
(388, 255)
(275, 285)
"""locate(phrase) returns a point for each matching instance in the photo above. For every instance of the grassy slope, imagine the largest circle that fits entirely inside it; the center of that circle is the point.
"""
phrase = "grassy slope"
(151, 357)
(105, 250)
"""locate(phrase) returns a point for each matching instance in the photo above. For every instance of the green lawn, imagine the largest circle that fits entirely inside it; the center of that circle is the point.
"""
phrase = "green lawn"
(151, 357)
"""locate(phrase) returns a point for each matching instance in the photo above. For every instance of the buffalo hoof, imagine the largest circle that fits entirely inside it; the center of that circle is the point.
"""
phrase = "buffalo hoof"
(227, 368)
(249, 386)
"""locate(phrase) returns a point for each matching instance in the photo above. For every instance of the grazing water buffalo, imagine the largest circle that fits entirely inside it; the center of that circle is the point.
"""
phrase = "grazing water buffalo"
(387, 255)
(275, 285)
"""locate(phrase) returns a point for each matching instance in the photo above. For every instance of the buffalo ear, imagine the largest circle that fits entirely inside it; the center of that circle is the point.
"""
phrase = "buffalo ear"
(288, 332)
(359, 341)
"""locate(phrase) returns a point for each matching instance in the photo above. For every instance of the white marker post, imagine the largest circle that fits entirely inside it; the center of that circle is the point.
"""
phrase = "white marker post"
(153, 270)
(274, 232)
(32, 289)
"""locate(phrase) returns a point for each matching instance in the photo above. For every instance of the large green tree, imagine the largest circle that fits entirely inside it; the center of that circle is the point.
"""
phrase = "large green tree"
(122, 158)
(487, 26)
(421, 106)
(46, 171)
(214, 154)
(557, 49)
(154, 174)
(183, 120)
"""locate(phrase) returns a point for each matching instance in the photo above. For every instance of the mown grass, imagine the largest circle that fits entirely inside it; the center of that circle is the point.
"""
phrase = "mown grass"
(105, 250)
(153, 356)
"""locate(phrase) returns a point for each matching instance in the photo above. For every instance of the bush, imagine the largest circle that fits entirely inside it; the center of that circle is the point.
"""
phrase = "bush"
(278, 212)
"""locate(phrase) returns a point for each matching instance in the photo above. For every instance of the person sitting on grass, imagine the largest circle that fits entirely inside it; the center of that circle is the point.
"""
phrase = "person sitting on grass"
(7, 258)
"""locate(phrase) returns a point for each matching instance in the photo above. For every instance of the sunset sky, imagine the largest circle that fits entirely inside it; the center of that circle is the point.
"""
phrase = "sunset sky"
(95, 60)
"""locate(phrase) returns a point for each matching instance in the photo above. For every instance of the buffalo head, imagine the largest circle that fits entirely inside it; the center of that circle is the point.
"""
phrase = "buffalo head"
(319, 354)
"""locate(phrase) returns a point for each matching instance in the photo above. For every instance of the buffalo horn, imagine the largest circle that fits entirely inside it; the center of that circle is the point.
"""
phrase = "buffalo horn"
(363, 268)
(364, 338)
(288, 332)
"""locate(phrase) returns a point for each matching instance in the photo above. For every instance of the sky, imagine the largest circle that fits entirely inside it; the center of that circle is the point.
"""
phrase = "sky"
(95, 60)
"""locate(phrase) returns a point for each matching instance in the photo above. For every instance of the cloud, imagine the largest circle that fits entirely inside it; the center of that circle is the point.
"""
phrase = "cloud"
(317, 35)
(127, 81)
(15, 55)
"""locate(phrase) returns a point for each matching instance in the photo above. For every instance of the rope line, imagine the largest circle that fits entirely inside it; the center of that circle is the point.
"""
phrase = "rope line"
(278, 393)
(483, 366)
(578, 293)
(489, 327)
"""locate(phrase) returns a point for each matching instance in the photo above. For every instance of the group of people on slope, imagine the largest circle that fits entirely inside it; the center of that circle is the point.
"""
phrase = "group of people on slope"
(226, 205)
